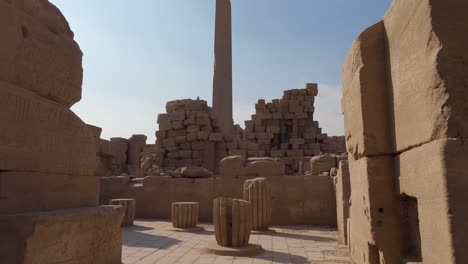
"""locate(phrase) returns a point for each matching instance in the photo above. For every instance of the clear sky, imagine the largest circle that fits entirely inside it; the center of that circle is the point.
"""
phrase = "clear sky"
(140, 54)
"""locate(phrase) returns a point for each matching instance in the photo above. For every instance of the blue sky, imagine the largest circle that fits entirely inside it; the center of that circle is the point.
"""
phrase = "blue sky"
(140, 54)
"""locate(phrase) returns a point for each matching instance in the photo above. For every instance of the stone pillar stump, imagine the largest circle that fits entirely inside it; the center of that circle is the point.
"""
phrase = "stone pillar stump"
(128, 206)
(258, 192)
(232, 220)
(184, 215)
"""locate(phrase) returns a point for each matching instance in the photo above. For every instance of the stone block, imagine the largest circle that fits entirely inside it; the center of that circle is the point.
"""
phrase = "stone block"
(36, 191)
(40, 135)
(39, 53)
(216, 137)
(428, 70)
(128, 208)
(365, 95)
(164, 121)
(86, 235)
(434, 175)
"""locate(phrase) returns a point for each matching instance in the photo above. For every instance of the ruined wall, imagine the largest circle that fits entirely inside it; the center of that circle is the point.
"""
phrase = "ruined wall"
(404, 100)
(47, 154)
(285, 128)
(188, 134)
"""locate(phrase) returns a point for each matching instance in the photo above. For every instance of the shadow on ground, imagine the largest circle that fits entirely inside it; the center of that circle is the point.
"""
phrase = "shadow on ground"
(303, 237)
(139, 239)
(280, 257)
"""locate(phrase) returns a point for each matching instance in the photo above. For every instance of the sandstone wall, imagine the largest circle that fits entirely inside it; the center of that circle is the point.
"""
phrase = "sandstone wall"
(404, 100)
(296, 199)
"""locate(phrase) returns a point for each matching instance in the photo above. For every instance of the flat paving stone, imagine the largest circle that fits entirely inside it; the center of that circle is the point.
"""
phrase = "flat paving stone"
(152, 241)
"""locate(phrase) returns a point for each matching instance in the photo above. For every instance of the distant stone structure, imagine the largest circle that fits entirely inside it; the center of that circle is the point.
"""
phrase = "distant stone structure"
(405, 105)
(48, 188)
(222, 80)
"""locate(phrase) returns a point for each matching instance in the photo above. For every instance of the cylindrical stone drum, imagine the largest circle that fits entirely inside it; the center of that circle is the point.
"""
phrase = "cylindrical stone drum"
(232, 220)
(184, 215)
(128, 206)
(258, 192)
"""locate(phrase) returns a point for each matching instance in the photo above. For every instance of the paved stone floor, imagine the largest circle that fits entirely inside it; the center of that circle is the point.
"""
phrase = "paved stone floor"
(151, 241)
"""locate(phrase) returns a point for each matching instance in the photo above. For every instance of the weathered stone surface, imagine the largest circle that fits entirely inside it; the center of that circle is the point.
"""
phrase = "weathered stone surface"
(427, 66)
(343, 194)
(184, 214)
(40, 135)
(195, 172)
(365, 95)
(37, 191)
(38, 52)
(258, 193)
(322, 163)
(86, 235)
(232, 222)
(128, 208)
(440, 196)
(374, 222)
(136, 144)
(261, 167)
(232, 166)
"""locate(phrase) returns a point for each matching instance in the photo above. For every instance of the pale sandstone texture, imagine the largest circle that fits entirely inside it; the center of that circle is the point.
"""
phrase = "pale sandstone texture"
(136, 144)
(48, 189)
(232, 222)
(128, 208)
(74, 236)
(343, 193)
(404, 100)
(184, 214)
(258, 193)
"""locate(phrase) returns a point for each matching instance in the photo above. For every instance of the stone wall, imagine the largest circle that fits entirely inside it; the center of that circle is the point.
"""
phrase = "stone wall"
(296, 199)
(47, 154)
(404, 100)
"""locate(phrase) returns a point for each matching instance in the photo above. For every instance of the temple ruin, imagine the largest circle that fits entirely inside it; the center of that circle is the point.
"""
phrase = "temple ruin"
(391, 190)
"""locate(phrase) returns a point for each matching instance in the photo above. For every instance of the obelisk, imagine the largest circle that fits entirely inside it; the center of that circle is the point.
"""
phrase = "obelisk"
(222, 81)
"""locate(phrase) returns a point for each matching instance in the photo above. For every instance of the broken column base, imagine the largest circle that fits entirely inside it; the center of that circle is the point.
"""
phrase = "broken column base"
(249, 250)
(78, 236)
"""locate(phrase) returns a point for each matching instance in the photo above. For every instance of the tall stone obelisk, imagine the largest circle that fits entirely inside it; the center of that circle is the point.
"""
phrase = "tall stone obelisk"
(222, 81)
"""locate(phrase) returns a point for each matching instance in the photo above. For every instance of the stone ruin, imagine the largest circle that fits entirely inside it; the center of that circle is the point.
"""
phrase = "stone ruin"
(189, 135)
(405, 92)
(397, 195)
(48, 188)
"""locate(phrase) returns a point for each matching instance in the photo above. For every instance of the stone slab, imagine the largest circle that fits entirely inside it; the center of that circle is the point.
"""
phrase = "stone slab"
(35, 191)
(435, 174)
(40, 135)
(78, 236)
(428, 67)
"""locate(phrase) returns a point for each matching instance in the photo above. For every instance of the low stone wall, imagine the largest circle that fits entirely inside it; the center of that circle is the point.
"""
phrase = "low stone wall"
(296, 200)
